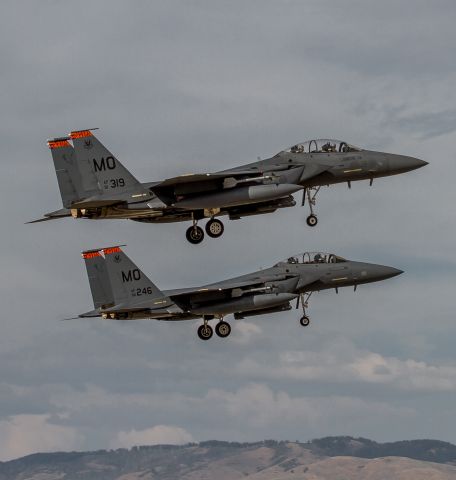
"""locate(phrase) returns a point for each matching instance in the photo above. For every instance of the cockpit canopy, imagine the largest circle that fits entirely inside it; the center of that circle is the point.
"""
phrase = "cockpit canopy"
(323, 145)
(315, 257)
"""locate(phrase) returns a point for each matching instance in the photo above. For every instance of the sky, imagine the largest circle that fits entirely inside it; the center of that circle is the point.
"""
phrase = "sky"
(201, 86)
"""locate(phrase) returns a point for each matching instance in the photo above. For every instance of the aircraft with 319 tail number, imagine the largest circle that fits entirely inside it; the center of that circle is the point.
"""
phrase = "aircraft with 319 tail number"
(95, 185)
(121, 291)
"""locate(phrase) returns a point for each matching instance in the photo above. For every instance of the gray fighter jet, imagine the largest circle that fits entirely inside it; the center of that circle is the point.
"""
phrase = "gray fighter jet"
(95, 185)
(121, 291)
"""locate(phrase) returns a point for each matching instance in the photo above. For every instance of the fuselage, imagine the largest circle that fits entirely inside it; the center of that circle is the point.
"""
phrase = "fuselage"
(266, 290)
(310, 164)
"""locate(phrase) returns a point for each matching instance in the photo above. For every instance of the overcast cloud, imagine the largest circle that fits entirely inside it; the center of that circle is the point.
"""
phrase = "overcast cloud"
(189, 86)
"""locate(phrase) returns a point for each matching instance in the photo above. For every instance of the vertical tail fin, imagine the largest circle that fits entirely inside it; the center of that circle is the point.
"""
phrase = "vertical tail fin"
(129, 284)
(100, 285)
(66, 170)
(99, 168)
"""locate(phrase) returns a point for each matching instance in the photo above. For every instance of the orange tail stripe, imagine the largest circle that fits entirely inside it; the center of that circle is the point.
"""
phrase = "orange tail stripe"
(108, 251)
(91, 254)
(81, 134)
(58, 144)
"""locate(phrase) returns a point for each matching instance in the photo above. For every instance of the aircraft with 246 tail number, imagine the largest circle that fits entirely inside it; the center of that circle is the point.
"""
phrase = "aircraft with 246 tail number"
(95, 185)
(121, 291)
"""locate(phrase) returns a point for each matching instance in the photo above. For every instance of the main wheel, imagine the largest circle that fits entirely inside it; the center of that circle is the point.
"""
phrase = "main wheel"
(312, 220)
(214, 228)
(205, 332)
(304, 321)
(194, 234)
(223, 329)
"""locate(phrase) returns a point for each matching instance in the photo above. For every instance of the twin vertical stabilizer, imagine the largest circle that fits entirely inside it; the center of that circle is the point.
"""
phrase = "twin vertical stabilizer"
(87, 169)
(116, 282)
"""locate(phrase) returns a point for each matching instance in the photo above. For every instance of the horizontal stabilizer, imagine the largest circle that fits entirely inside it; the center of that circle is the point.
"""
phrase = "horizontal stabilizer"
(62, 213)
(44, 219)
(96, 202)
(91, 314)
(124, 307)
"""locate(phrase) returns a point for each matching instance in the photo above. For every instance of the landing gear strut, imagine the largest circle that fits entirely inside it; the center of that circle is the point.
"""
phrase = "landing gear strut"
(304, 300)
(194, 233)
(311, 194)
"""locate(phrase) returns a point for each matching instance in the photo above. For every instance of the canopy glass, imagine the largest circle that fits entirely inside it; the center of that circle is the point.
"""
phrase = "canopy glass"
(315, 257)
(323, 145)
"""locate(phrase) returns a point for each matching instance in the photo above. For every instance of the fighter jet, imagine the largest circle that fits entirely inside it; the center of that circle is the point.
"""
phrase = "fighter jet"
(95, 185)
(121, 291)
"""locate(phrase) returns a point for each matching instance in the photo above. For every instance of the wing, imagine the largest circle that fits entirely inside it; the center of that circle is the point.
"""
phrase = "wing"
(176, 190)
(235, 288)
(169, 190)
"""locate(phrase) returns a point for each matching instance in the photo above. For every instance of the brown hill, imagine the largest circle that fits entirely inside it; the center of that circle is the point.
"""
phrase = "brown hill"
(267, 460)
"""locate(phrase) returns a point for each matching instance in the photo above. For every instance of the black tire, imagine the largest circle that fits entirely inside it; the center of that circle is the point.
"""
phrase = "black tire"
(205, 332)
(312, 220)
(304, 321)
(194, 235)
(214, 228)
(223, 329)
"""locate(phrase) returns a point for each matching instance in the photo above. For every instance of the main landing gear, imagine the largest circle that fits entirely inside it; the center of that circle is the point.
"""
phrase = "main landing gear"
(195, 234)
(311, 194)
(222, 329)
(304, 300)
(214, 228)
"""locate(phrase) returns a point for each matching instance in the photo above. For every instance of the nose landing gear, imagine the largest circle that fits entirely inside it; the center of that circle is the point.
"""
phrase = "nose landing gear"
(311, 194)
(304, 300)
(312, 220)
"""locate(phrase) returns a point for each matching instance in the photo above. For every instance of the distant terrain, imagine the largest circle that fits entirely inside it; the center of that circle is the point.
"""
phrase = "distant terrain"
(335, 458)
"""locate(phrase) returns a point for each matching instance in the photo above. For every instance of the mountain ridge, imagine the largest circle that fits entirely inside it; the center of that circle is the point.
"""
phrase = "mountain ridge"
(344, 456)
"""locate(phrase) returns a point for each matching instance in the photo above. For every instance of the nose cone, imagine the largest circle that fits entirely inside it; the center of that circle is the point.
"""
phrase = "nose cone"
(402, 163)
(376, 273)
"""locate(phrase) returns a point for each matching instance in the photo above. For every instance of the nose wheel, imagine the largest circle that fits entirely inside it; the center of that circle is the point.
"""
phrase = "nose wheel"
(312, 220)
(304, 321)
